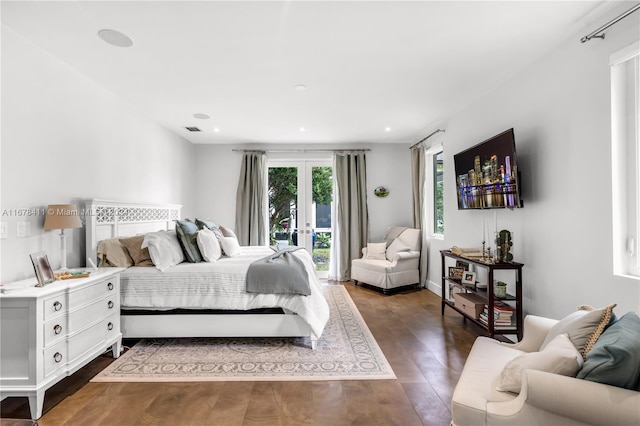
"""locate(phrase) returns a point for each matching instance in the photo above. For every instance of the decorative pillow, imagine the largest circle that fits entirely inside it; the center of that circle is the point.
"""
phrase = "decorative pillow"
(583, 326)
(209, 245)
(205, 223)
(187, 232)
(111, 252)
(164, 249)
(615, 357)
(395, 247)
(376, 251)
(227, 232)
(139, 255)
(230, 246)
(560, 356)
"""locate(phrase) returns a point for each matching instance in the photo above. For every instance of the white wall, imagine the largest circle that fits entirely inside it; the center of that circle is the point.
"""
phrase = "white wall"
(560, 110)
(218, 171)
(65, 138)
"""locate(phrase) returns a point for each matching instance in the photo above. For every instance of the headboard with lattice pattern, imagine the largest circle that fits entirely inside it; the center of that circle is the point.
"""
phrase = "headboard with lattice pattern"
(109, 219)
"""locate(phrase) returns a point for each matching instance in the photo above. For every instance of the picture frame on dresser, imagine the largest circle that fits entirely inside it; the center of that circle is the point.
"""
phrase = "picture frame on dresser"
(469, 277)
(42, 268)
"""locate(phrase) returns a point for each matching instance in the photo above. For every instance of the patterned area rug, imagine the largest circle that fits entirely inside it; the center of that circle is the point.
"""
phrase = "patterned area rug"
(346, 350)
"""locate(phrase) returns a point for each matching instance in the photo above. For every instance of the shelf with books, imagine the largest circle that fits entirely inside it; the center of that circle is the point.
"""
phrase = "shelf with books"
(506, 313)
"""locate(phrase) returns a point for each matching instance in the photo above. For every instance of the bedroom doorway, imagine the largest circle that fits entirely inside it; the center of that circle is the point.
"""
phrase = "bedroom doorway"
(300, 207)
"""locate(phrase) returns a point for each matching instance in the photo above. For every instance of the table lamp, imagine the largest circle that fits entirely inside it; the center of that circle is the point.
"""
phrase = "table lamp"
(62, 216)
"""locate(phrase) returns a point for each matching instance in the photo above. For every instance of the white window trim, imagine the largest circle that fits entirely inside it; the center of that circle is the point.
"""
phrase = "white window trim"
(429, 189)
(625, 264)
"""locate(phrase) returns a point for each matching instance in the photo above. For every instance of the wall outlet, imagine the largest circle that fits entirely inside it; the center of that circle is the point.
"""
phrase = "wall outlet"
(4, 230)
(23, 229)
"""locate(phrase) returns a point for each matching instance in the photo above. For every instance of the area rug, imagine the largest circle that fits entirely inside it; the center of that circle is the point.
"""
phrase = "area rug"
(346, 351)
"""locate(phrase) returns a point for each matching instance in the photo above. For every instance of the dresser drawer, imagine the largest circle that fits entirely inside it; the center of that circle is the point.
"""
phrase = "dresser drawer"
(55, 357)
(81, 318)
(55, 305)
(91, 293)
(55, 329)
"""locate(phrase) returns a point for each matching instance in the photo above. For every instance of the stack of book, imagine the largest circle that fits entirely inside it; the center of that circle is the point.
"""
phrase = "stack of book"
(502, 316)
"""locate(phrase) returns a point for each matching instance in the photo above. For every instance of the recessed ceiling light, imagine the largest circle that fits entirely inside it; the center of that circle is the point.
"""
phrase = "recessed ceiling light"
(300, 87)
(301, 129)
(216, 130)
(115, 38)
(387, 129)
(201, 116)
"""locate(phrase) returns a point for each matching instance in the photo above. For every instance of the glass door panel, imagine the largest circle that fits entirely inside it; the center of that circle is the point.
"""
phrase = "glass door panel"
(300, 198)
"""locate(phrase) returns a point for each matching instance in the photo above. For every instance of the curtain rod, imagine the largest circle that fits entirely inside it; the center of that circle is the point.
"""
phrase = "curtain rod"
(424, 139)
(596, 33)
(302, 150)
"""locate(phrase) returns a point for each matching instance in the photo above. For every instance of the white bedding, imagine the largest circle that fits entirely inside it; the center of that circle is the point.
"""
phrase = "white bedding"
(219, 285)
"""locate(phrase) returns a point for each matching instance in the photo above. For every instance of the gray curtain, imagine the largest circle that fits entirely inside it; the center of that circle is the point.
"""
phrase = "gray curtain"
(418, 180)
(251, 200)
(352, 216)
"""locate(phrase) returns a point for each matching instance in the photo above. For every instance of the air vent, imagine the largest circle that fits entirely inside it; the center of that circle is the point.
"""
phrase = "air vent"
(192, 129)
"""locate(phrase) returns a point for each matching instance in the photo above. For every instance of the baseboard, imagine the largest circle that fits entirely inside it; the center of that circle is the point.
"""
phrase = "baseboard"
(434, 287)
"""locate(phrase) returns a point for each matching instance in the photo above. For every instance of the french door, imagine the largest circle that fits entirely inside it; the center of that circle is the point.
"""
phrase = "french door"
(300, 206)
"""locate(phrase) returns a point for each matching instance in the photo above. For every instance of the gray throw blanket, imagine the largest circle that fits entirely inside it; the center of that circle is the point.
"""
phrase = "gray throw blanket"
(279, 273)
(393, 233)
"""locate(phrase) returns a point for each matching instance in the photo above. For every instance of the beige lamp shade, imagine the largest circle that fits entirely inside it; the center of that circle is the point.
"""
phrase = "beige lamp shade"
(62, 216)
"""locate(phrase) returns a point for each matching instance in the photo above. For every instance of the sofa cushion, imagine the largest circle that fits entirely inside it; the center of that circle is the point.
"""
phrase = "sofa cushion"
(480, 376)
(615, 357)
(583, 326)
(559, 357)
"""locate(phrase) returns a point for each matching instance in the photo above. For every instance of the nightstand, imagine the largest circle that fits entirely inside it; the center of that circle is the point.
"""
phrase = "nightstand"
(48, 333)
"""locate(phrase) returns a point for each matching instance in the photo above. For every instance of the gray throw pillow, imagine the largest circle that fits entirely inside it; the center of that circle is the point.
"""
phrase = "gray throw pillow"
(583, 326)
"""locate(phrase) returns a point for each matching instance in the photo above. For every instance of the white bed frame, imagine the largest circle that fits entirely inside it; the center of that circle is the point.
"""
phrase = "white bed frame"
(109, 219)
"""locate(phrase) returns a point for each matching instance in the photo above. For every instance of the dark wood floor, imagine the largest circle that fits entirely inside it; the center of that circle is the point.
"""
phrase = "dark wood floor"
(426, 350)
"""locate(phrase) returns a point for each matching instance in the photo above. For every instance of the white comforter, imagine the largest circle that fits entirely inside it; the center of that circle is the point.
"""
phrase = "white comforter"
(219, 285)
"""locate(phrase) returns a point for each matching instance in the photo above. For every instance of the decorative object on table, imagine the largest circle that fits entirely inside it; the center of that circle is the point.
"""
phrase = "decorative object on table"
(455, 272)
(381, 191)
(69, 275)
(43, 270)
(62, 216)
(500, 289)
(469, 277)
(503, 247)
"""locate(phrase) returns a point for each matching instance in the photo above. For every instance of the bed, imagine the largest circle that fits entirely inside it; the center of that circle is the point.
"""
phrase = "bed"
(199, 299)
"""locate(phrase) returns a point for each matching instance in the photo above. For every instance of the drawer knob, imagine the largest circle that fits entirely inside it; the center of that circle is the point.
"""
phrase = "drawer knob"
(57, 357)
(110, 304)
(57, 306)
(57, 329)
(110, 286)
(110, 326)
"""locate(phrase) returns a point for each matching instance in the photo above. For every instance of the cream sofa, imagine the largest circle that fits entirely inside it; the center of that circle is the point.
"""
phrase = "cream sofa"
(399, 269)
(544, 399)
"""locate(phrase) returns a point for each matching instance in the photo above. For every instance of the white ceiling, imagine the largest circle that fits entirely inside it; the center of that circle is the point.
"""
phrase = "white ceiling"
(367, 65)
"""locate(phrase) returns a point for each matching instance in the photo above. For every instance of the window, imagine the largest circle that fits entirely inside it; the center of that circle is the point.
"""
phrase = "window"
(435, 190)
(625, 157)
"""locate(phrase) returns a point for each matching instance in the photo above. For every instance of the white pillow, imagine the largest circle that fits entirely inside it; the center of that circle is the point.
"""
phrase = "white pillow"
(558, 357)
(395, 247)
(164, 249)
(376, 251)
(230, 246)
(208, 245)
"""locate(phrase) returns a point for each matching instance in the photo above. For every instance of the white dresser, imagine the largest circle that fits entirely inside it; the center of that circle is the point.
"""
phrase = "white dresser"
(49, 333)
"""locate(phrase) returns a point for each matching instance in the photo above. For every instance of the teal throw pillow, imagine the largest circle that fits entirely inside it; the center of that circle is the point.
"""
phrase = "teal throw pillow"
(615, 357)
(187, 232)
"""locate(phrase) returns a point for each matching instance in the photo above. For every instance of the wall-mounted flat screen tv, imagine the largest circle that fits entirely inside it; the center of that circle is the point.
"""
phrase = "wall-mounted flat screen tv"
(487, 174)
